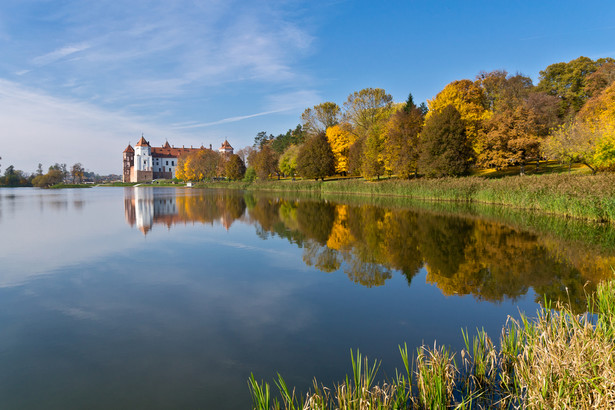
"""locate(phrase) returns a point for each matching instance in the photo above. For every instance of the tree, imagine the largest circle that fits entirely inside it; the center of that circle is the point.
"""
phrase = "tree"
(510, 138)
(445, 148)
(77, 172)
(262, 139)
(372, 163)
(340, 139)
(600, 79)
(292, 137)
(197, 166)
(572, 142)
(365, 108)
(402, 140)
(502, 91)
(234, 167)
(53, 177)
(264, 161)
(355, 157)
(567, 81)
(288, 160)
(320, 117)
(469, 100)
(316, 159)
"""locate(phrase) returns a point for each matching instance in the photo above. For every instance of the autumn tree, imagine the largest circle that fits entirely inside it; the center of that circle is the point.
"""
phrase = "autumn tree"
(77, 172)
(503, 91)
(234, 168)
(470, 102)
(340, 139)
(320, 117)
(197, 166)
(355, 157)
(600, 79)
(316, 159)
(367, 112)
(264, 161)
(366, 108)
(445, 148)
(572, 142)
(402, 140)
(53, 177)
(509, 139)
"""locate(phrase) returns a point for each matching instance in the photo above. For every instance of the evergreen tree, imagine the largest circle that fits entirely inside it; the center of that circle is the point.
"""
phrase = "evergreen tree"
(445, 148)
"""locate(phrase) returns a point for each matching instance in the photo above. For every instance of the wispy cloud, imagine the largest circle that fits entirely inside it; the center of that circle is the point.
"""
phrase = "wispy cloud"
(231, 119)
(59, 54)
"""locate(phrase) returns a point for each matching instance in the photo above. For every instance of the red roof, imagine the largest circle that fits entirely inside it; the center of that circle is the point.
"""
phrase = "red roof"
(129, 149)
(142, 142)
(226, 145)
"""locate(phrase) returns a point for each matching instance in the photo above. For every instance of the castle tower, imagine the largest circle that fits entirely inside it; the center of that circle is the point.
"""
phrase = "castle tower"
(226, 148)
(142, 170)
(129, 162)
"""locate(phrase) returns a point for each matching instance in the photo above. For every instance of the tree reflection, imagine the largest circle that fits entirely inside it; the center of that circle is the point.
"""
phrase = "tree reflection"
(462, 255)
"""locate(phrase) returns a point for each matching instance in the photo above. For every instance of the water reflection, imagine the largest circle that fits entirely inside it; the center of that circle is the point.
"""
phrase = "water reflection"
(462, 255)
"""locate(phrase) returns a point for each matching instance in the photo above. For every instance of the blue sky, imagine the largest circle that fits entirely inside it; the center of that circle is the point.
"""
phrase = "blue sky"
(81, 79)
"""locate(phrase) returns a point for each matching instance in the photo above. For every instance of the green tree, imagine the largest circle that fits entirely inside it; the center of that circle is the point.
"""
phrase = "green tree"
(445, 148)
(288, 160)
(234, 168)
(316, 159)
(402, 140)
(567, 81)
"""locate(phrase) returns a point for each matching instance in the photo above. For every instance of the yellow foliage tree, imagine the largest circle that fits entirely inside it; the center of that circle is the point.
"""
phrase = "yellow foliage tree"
(469, 99)
(340, 139)
(598, 116)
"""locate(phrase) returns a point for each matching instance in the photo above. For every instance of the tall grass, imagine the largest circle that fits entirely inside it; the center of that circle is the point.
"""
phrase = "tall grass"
(554, 360)
(589, 197)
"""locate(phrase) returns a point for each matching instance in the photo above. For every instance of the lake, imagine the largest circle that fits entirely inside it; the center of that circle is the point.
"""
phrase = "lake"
(170, 298)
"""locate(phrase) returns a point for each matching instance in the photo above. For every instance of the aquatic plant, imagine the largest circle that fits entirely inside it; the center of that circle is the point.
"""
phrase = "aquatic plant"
(555, 360)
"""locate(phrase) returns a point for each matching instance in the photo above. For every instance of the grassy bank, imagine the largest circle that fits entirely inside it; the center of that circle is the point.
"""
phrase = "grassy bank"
(590, 197)
(62, 186)
(555, 360)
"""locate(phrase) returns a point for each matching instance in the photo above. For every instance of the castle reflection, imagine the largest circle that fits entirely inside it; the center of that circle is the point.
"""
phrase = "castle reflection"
(462, 255)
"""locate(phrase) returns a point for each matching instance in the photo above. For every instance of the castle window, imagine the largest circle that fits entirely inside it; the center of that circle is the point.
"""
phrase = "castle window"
(167, 162)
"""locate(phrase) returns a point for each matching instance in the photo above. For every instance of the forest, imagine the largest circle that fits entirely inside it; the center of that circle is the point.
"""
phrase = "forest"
(496, 121)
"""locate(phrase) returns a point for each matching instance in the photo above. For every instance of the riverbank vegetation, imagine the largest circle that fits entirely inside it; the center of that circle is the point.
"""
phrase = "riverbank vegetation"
(590, 197)
(557, 359)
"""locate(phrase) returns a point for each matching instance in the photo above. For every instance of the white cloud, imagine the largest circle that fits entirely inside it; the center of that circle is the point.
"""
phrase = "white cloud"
(37, 127)
(59, 54)
(231, 119)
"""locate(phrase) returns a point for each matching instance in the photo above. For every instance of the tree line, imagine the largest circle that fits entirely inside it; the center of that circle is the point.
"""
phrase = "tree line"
(494, 121)
(56, 174)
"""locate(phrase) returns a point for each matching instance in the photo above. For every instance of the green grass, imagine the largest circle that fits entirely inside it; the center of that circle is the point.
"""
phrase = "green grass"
(589, 197)
(62, 186)
(555, 360)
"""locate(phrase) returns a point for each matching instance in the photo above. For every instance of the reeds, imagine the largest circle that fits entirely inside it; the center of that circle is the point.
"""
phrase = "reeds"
(590, 197)
(555, 360)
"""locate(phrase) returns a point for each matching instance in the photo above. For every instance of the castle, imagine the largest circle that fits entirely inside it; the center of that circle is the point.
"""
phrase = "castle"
(145, 163)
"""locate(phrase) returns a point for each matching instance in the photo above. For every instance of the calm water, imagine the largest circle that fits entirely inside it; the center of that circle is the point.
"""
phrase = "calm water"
(165, 298)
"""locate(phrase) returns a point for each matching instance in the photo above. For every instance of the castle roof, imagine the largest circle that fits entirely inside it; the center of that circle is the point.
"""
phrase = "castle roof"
(166, 145)
(226, 145)
(129, 148)
(142, 142)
